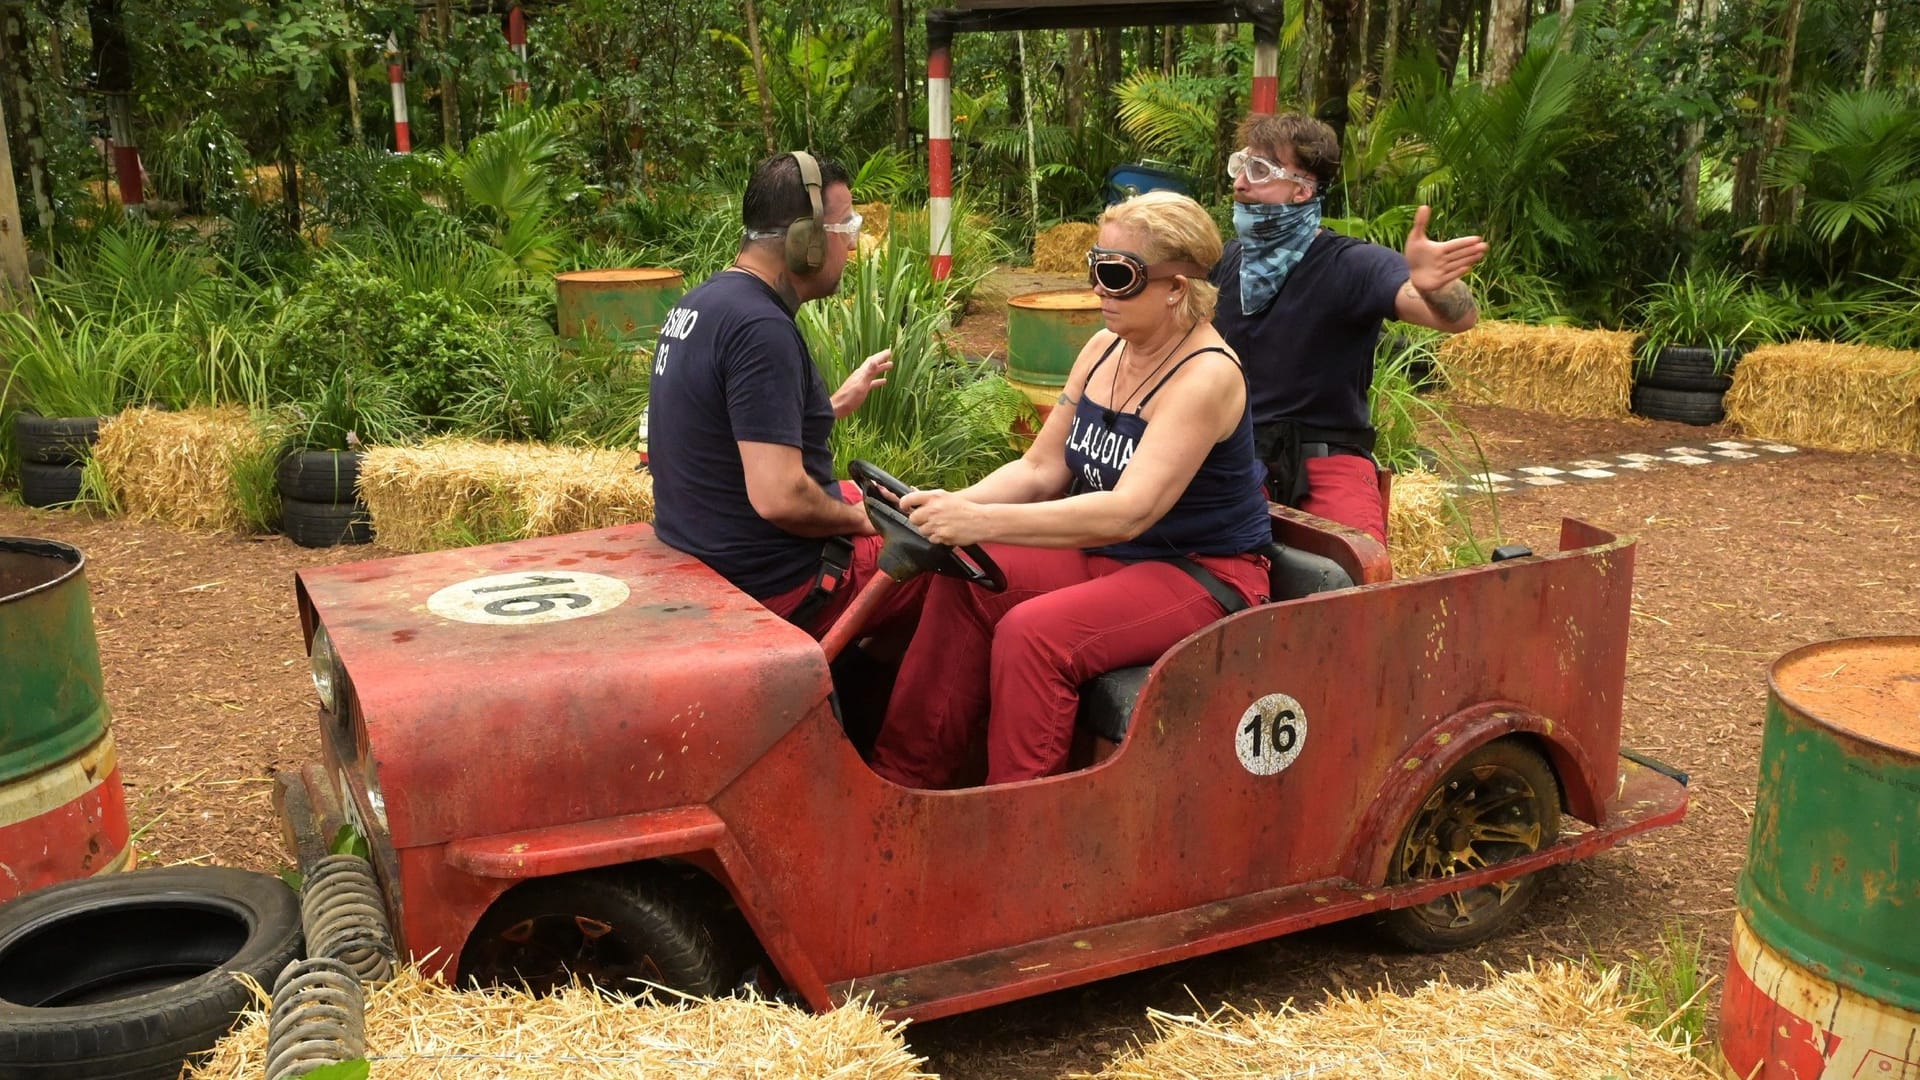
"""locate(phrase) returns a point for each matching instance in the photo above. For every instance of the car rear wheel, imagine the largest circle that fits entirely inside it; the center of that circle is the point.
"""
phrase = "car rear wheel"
(1500, 803)
(616, 929)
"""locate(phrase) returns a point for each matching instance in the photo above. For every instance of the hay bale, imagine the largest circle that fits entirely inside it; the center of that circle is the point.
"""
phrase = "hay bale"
(1553, 1020)
(1063, 248)
(449, 492)
(1836, 397)
(178, 467)
(418, 1028)
(1551, 369)
(1420, 524)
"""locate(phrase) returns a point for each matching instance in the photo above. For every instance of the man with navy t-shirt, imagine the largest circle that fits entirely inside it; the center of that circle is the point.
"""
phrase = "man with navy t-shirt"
(1303, 308)
(738, 415)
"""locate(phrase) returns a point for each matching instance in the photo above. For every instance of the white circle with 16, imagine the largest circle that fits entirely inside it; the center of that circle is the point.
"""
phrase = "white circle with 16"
(1270, 734)
(527, 597)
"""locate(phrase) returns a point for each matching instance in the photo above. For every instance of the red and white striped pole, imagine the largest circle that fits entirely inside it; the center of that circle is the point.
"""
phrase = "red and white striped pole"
(517, 38)
(1266, 67)
(397, 80)
(940, 149)
(126, 153)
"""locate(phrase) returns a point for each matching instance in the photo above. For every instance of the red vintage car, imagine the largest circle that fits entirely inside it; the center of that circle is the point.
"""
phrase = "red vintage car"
(590, 755)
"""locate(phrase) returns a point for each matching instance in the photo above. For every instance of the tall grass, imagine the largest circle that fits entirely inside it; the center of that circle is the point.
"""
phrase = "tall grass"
(939, 421)
(1407, 360)
(85, 368)
(1716, 309)
(1671, 988)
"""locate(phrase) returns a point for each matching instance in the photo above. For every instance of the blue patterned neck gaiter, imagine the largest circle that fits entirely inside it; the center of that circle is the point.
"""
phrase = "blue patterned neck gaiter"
(1273, 240)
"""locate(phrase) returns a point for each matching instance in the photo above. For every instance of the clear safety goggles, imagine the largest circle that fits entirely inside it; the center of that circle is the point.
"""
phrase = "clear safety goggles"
(849, 228)
(1123, 274)
(1259, 170)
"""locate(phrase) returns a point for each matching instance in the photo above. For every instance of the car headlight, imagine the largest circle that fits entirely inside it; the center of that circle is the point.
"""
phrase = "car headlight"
(325, 680)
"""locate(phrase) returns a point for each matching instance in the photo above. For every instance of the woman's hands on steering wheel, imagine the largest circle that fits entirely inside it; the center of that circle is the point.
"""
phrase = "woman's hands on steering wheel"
(946, 518)
(909, 550)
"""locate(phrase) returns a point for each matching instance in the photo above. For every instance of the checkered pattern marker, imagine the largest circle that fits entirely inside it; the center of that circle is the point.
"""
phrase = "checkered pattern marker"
(397, 80)
(517, 38)
(940, 156)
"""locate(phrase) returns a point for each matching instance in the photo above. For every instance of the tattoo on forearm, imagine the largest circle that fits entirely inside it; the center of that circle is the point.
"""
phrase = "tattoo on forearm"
(1452, 303)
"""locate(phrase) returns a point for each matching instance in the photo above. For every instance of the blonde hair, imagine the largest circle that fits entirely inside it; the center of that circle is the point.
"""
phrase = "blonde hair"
(1173, 228)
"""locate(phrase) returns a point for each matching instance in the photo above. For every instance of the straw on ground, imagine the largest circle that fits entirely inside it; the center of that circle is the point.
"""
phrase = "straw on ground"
(1836, 397)
(1554, 1021)
(179, 467)
(418, 1028)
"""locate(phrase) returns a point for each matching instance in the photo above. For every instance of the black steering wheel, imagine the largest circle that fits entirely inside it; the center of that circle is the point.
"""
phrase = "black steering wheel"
(908, 551)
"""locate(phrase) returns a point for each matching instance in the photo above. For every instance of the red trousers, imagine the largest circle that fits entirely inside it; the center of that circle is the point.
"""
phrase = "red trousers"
(1001, 672)
(893, 619)
(1346, 488)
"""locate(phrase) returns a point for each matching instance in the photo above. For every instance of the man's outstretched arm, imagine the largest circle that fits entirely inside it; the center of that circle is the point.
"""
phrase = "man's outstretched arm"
(1436, 292)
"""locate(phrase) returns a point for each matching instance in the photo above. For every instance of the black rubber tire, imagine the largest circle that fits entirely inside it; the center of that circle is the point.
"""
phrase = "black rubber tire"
(49, 485)
(1696, 407)
(1502, 765)
(1678, 368)
(324, 524)
(54, 440)
(619, 928)
(126, 976)
(320, 476)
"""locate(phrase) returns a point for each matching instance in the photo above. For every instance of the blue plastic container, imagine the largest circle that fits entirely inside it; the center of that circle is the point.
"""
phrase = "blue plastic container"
(1130, 179)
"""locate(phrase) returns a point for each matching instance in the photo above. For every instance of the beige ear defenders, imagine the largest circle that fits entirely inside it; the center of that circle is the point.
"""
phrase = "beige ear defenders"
(806, 240)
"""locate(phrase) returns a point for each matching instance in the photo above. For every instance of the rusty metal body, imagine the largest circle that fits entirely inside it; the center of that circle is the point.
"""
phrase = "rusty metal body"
(684, 721)
(62, 808)
(1825, 974)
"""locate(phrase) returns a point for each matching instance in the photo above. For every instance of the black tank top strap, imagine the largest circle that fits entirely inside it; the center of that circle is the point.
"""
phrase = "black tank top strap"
(1114, 344)
(1176, 368)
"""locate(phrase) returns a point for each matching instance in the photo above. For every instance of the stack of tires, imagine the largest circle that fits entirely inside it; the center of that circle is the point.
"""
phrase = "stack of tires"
(53, 451)
(1685, 384)
(319, 504)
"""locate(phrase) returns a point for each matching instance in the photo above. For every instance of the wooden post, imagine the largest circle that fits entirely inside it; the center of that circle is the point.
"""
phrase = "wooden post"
(15, 287)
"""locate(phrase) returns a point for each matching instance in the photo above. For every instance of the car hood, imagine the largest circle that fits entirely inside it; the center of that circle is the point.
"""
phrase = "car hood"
(554, 680)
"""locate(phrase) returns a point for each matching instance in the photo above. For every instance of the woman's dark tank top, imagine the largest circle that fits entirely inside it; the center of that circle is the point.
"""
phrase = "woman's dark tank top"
(1223, 511)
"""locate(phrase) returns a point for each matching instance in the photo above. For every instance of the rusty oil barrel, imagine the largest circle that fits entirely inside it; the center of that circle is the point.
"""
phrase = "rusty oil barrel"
(1045, 333)
(627, 306)
(63, 813)
(1824, 979)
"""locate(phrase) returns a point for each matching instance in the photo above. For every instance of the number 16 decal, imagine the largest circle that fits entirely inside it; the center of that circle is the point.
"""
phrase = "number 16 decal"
(1270, 734)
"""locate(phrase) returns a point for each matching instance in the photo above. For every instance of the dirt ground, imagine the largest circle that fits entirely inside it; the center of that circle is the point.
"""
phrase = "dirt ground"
(1737, 563)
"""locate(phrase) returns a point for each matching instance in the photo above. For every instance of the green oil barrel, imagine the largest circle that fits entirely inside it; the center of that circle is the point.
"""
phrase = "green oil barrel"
(1045, 333)
(625, 305)
(52, 703)
(1825, 972)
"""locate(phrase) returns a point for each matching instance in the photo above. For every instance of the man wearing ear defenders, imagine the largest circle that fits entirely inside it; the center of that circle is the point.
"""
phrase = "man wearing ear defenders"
(1303, 307)
(738, 415)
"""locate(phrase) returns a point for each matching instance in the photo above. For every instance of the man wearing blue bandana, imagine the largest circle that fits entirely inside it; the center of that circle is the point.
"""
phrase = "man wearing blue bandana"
(1303, 307)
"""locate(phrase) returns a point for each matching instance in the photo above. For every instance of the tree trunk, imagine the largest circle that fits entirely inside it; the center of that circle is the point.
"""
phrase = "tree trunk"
(1033, 160)
(353, 96)
(1111, 61)
(1694, 15)
(1076, 101)
(1776, 206)
(1449, 34)
(1334, 76)
(760, 74)
(1390, 49)
(15, 286)
(449, 81)
(1167, 50)
(1312, 29)
(1876, 40)
(16, 62)
(1506, 40)
(897, 18)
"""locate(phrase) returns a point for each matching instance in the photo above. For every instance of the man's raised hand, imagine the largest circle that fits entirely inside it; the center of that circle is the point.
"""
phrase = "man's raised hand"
(1435, 264)
(871, 373)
